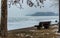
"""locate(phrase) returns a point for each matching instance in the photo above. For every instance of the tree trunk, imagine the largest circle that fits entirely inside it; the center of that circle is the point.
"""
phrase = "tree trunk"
(59, 17)
(4, 18)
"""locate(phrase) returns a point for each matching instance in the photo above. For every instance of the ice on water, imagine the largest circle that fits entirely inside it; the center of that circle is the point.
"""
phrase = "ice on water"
(29, 21)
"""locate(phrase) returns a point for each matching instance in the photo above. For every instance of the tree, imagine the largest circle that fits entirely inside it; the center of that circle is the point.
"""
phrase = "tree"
(59, 17)
(4, 18)
(28, 2)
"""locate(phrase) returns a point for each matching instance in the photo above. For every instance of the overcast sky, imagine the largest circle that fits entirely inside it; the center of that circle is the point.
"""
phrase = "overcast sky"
(13, 11)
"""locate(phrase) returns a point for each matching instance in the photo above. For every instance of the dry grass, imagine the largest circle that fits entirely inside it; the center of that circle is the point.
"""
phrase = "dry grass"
(43, 33)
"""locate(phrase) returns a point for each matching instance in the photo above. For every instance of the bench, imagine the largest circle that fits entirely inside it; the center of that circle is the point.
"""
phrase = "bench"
(46, 25)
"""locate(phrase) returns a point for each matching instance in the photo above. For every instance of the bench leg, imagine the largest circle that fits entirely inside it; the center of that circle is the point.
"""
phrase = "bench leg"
(39, 28)
(46, 27)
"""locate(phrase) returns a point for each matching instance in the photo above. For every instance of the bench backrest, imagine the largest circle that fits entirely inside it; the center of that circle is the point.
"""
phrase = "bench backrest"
(44, 23)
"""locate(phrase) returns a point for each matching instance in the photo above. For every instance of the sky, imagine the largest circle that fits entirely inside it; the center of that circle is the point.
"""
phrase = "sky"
(13, 11)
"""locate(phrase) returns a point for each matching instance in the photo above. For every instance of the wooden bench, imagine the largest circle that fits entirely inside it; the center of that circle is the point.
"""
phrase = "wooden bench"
(46, 25)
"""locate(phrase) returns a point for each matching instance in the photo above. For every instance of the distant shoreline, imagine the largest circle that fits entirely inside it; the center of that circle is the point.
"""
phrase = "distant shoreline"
(31, 16)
